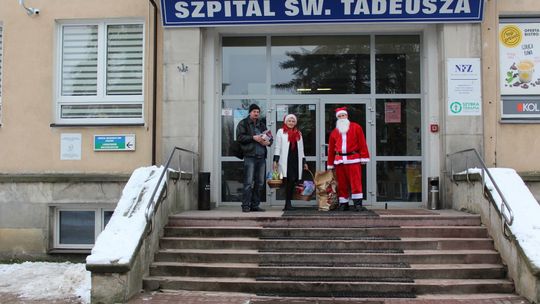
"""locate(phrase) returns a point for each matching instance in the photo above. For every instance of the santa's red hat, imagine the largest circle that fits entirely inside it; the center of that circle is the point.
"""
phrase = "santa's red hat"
(342, 110)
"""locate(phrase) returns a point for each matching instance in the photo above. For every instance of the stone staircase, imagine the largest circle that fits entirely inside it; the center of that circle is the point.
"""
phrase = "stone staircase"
(385, 254)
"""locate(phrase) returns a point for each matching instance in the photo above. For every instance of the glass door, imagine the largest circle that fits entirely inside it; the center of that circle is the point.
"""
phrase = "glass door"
(377, 76)
(360, 112)
(308, 123)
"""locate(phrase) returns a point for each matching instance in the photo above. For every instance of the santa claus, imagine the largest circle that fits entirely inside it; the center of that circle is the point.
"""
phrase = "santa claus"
(347, 150)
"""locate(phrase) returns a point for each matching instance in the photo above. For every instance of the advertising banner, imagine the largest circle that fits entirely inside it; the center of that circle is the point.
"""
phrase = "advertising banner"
(519, 55)
(235, 12)
(520, 109)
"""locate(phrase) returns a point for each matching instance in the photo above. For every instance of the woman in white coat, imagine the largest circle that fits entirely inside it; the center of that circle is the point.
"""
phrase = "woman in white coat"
(289, 158)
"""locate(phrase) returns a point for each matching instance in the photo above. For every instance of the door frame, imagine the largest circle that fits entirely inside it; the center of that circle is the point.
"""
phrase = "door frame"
(320, 102)
(272, 124)
(369, 131)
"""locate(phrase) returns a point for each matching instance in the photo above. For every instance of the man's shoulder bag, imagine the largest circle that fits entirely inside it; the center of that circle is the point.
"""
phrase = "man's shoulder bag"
(236, 149)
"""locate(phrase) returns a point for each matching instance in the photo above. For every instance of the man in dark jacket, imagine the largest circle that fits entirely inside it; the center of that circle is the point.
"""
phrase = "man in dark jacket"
(250, 134)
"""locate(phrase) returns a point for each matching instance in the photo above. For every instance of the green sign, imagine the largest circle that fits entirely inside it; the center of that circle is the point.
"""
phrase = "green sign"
(114, 142)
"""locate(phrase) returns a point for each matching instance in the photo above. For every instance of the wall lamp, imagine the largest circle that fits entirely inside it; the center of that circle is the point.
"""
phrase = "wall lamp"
(29, 10)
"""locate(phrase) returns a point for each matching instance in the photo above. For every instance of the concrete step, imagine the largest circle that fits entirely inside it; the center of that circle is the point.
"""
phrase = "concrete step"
(408, 231)
(386, 255)
(186, 296)
(294, 245)
(254, 256)
(371, 271)
(325, 221)
(330, 289)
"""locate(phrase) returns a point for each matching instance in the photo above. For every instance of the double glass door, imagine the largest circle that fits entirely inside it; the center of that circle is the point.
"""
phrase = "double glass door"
(316, 119)
(392, 129)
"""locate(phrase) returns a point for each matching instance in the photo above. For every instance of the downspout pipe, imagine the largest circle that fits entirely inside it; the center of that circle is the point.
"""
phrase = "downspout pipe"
(154, 84)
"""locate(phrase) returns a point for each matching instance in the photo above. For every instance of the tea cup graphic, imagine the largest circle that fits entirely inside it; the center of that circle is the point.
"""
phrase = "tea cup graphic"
(525, 70)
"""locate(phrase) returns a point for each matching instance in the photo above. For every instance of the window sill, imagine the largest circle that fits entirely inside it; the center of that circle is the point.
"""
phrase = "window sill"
(70, 251)
(56, 125)
(63, 177)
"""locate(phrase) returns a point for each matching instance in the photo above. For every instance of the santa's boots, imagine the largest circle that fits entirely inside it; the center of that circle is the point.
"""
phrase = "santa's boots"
(343, 207)
(358, 205)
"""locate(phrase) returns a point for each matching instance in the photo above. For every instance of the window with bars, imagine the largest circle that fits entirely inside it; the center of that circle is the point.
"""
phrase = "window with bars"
(101, 73)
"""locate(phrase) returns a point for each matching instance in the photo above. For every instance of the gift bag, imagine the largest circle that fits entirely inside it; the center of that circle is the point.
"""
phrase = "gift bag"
(305, 190)
(326, 188)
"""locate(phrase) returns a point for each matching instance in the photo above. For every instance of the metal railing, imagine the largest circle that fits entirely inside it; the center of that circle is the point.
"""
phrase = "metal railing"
(507, 219)
(154, 203)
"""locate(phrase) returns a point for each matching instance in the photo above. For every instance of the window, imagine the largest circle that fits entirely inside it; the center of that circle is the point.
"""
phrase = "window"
(78, 228)
(100, 73)
(1, 61)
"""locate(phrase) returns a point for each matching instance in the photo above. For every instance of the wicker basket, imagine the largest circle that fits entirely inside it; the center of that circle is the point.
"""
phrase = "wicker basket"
(274, 183)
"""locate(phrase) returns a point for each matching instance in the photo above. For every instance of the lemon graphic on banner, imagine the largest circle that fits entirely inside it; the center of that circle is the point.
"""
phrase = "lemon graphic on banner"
(511, 36)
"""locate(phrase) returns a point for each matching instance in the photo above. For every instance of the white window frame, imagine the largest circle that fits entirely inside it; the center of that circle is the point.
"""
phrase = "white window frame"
(99, 222)
(101, 98)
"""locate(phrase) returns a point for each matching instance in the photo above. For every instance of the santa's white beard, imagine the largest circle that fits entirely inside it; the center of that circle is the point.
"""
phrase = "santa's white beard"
(343, 125)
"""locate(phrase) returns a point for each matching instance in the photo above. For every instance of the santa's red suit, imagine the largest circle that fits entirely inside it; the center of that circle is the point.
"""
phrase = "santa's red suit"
(346, 152)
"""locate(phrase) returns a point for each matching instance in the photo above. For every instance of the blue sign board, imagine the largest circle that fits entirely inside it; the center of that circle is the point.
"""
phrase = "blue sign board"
(244, 12)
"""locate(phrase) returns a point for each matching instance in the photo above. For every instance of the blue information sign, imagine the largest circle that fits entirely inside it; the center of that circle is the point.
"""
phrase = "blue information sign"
(237, 12)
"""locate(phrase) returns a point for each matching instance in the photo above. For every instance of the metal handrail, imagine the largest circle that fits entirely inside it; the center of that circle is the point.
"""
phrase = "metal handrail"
(506, 219)
(152, 205)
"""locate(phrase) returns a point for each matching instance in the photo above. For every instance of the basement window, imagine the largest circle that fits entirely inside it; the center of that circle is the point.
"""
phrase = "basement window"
(78, 228)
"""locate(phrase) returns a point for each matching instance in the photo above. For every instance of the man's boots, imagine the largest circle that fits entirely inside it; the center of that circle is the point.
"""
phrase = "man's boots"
(358, 205)
(288, 206)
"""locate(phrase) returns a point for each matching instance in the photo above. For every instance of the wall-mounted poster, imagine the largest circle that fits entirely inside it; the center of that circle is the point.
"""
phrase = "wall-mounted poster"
(519, 58)
(464, 85)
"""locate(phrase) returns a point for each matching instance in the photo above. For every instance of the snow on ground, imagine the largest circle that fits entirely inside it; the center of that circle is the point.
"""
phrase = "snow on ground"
(46, 281)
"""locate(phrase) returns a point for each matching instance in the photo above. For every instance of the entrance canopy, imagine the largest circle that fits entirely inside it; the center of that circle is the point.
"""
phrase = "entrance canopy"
(241, 12)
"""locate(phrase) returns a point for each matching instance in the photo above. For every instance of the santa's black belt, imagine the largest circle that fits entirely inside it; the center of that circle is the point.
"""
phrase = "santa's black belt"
(346, 154)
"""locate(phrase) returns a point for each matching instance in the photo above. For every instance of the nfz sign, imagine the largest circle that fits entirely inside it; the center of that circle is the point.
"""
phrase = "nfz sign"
(463, 68)
(464, 87)
(235, 12)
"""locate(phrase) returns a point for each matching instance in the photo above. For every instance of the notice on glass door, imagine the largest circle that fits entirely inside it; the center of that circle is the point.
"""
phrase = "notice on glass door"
(464, 87)
(392, 112)
(281, 112)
